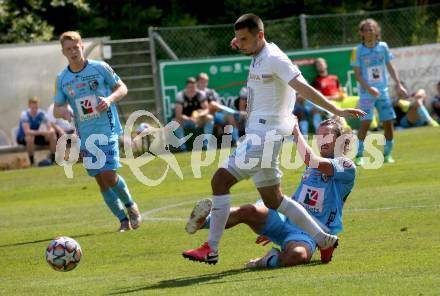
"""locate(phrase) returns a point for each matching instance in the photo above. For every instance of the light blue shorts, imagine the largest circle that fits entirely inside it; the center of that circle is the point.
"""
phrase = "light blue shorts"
(281, 231)
(406, 124)
(110, 163)
(382, 104)
(219, 118)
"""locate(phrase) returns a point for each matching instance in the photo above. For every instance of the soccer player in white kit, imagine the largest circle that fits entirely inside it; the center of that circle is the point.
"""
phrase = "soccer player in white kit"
(272, 82)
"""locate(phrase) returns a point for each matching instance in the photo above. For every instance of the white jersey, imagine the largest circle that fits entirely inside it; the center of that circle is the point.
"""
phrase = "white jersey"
(271, 100)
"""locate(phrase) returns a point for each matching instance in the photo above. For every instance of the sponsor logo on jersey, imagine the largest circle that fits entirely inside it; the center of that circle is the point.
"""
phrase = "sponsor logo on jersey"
(93, 84)
(86, 106)
(311, 197)
(70, 91)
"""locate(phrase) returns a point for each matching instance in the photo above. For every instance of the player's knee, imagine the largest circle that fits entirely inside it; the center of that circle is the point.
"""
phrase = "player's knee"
(292, 257)
(221, 182)
(247, 213)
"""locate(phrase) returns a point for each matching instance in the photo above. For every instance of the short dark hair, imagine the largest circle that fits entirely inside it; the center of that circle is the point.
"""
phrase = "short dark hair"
(190, 80)
(250, 21)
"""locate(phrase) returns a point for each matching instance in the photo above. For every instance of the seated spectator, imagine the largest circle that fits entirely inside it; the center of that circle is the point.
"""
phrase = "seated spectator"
(329, 86)
(223, 115)
(326, 83)
(60, 125)
(301, 114)
(411, 111)
(192, 111)
(435, 103)
(240, 104)
(32, 132)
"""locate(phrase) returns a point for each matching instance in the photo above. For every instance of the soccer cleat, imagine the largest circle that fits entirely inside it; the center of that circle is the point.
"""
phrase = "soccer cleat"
(327, 254)
(204, 253)
(125, 226)
(198, 215)
(135, 216)
(263, 261)
(329, 241)
(358, 161)
(388, 159)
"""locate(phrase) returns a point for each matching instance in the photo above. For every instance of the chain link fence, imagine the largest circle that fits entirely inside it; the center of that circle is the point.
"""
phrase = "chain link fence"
(400, 27)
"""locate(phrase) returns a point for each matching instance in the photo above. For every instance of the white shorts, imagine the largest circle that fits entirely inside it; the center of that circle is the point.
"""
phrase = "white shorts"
(257, 156)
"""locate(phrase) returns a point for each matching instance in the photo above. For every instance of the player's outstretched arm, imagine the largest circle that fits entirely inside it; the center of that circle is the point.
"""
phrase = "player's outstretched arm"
(309, 157)
(307, 91)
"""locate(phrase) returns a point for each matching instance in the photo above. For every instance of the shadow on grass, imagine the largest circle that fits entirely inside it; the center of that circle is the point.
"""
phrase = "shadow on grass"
(49, 239)
(200, 279)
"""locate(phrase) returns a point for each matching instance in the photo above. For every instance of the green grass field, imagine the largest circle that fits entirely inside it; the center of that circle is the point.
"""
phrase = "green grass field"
(390, 245)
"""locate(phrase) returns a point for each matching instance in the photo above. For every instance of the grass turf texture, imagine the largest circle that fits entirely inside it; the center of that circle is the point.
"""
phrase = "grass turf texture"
(390, 244)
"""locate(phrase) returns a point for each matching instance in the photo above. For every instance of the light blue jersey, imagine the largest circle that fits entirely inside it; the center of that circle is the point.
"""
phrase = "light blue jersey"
(372, 63)
(323, 196)
(81, 90)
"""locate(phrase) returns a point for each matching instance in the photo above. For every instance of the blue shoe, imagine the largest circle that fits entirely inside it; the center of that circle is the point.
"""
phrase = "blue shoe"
(45, 162)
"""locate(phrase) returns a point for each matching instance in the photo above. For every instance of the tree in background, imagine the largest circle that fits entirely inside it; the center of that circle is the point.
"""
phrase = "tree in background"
(41, 20)
(31, 20)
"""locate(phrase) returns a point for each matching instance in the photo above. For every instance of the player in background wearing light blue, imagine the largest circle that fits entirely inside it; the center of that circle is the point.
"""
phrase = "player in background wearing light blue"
(322, 192)
(91, 88)
(370, 61)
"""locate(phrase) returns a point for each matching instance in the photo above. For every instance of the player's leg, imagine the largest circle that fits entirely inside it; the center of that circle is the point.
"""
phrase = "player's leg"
(180, 132)
(274, 199)
(297, 246)
(387, 116)
(366, 105)
(29, 141)
(388, 127)
(252, 215)
(121, 190)
(207, 122)
(51, 138)
(423, 115)
(105, 180)
(231, 120)
(294, 253)
(221, 183)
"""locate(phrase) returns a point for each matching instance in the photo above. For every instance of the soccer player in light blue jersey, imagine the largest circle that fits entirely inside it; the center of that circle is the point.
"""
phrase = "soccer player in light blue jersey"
(91, 88)
(370, 61)
(322, 191)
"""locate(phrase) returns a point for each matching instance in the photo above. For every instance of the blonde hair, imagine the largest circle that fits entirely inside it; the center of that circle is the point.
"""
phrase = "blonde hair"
(70, 35)
(34, 100)
(372, 22)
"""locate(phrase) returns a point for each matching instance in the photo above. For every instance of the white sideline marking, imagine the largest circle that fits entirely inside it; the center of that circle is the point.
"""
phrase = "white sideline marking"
(146, 214)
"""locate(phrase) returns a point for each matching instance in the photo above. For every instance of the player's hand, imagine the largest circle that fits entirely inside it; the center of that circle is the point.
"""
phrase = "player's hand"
(401, 91)
(351, 112)
(234, 44)
(262, 240)
(104, 104)
(374, 91)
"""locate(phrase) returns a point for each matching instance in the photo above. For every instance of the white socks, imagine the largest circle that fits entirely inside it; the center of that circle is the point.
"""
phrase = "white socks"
(219, 216)
(298, 215)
